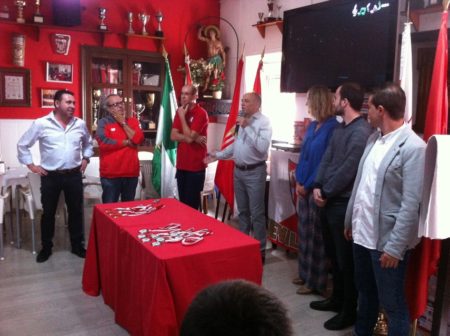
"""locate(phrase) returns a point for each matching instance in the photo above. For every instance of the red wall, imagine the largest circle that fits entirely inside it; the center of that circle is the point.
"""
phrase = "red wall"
(181, 17)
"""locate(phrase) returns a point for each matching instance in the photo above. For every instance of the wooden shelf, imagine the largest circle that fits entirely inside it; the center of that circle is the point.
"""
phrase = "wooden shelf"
(263, 25)
(38, 26)
(415, 14)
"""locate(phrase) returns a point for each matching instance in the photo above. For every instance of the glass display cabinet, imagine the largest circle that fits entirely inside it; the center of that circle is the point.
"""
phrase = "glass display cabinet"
(137, 76)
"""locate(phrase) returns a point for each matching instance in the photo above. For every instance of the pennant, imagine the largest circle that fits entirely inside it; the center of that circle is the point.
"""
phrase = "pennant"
(257, 83)
(225, 168)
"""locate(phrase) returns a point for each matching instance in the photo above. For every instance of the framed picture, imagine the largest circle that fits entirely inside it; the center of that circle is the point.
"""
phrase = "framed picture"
(15, 89)
(61, 73)
(47, 98)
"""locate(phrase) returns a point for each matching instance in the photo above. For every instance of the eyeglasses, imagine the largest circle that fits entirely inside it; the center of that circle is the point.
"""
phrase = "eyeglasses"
(121, 103)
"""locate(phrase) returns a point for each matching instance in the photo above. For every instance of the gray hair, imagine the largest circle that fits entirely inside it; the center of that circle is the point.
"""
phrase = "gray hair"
(103, 107)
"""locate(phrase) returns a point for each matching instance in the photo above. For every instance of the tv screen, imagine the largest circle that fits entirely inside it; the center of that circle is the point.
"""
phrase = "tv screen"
(338, 41)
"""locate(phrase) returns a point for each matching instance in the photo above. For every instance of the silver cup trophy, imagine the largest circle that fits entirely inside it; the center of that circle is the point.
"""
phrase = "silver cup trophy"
(37, 17)
(159, 17)
(130, 23)
(139, 108)
(144, 19)
(270, 16)
(20, 5)
(261, 17)
(102, 17)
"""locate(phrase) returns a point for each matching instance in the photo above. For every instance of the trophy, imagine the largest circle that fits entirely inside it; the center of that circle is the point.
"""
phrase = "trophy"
(20, 4)
(279, 12)
(102, 17)
(139, 108)
(159, 18)
(149, 102)
(144, 19)
(261, 17)
(4, 12)
(270, 6)
(37, 17)
(130, 23)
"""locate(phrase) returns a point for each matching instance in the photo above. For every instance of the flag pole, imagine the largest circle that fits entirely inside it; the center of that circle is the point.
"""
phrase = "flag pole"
(164, 51)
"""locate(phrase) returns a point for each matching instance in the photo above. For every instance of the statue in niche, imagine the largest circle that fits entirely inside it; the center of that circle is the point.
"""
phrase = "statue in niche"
(216, 61)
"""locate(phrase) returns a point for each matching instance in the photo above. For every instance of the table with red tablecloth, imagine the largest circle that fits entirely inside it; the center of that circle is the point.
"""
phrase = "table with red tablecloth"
(150, 287)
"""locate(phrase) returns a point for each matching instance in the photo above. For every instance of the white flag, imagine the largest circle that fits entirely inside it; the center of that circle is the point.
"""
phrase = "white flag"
(406, 71)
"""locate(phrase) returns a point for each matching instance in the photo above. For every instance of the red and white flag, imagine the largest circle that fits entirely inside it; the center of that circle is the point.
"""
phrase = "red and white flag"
(257, 83)
(225, 168)
(425, 257)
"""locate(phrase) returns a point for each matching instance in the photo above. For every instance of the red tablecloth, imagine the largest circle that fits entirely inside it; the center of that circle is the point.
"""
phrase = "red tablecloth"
(150, 287)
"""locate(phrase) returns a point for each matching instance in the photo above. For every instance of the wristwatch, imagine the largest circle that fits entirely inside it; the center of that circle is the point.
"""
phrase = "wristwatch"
(87, 159)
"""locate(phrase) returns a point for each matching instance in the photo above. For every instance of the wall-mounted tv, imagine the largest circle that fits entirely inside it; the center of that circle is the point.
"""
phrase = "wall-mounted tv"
(337, 41)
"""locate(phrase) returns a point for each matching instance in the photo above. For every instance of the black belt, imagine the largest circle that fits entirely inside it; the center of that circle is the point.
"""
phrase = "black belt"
(250, 166)
(65, 171)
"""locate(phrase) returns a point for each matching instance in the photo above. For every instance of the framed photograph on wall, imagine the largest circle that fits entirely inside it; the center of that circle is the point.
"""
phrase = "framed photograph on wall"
(60, 73)
(15, 89)
(47, 98)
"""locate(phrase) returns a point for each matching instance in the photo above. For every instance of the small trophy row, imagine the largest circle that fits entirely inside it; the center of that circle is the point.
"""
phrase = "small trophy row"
(38, 18)
(20, 4)
(143, 18)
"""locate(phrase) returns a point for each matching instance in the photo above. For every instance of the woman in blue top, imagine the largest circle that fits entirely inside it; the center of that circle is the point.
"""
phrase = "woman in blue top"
(313, 265)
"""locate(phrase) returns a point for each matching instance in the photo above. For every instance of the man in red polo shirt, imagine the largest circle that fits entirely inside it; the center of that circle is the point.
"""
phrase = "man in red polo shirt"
(189, 129)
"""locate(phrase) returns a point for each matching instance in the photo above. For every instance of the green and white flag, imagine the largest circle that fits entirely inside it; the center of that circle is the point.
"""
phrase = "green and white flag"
(165, 153)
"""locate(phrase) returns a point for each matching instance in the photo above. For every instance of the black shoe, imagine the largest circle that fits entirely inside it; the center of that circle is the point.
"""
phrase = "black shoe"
(43, 255)
(329, 304)
(79, 251)
(340, 321)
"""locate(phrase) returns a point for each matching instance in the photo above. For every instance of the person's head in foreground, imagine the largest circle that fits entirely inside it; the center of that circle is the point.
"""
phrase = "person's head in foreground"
(236, 308)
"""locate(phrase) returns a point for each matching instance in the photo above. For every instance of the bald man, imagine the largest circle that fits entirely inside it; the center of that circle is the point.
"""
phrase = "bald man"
(249, 152)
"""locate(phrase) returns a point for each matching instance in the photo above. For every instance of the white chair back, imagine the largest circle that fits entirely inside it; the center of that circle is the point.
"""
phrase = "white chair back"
(35, 188)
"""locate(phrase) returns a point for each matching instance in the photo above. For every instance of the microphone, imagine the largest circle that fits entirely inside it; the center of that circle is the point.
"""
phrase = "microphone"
(236, 128)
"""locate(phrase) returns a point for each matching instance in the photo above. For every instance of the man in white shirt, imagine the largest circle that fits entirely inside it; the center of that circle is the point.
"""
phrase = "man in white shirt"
(249, 152)
(383, 213)
(65, 146)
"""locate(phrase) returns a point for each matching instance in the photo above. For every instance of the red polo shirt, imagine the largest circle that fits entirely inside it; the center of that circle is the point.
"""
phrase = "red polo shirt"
(190, 156)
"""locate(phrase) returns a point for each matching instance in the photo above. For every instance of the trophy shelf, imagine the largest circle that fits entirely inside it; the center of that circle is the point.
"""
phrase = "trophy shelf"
(263, 25)
(38, 26)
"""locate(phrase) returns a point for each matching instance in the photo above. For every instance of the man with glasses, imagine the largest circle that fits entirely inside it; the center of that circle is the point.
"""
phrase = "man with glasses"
(118, 137)
(65, 147)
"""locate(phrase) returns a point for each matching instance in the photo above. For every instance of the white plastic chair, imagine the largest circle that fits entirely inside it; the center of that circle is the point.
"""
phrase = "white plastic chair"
(3, 197)
(92, 187)
(208, 186)
(145, 162)
(32, 204)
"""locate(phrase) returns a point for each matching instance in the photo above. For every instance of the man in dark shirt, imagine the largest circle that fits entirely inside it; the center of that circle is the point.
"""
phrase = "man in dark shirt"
(333, 187)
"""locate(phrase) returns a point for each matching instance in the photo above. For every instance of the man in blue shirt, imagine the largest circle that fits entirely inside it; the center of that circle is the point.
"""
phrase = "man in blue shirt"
(65, 147)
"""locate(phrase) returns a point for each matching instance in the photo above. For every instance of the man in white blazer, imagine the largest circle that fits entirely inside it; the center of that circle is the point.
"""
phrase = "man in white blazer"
(383, 213)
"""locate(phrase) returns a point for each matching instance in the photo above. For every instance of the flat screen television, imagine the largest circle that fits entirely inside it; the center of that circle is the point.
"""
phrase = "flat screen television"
(338, 41)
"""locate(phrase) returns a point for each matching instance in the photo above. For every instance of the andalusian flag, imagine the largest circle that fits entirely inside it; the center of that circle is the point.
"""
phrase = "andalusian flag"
(165, 153)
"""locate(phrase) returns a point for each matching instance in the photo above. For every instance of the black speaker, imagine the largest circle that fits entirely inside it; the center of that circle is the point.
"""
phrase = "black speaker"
(66, 13)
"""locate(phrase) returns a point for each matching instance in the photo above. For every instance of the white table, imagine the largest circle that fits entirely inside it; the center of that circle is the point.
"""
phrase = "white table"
(14, 178)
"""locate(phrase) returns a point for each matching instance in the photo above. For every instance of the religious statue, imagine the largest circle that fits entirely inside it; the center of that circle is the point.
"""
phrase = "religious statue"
(214, 77)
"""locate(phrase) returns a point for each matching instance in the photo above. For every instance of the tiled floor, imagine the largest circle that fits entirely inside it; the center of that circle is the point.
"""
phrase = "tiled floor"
(46, 299)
